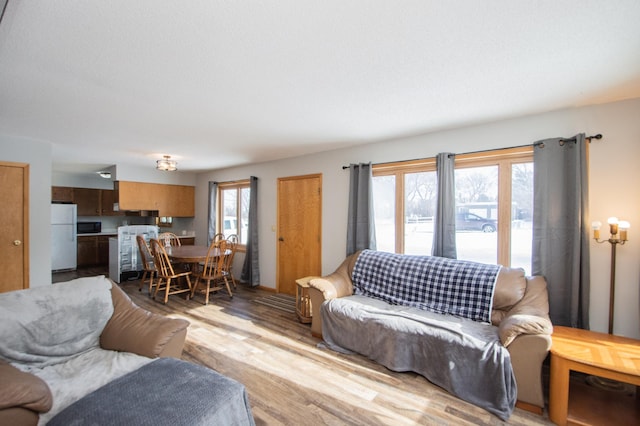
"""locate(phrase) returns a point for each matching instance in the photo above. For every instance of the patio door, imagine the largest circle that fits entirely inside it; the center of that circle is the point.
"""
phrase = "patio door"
(299, 230)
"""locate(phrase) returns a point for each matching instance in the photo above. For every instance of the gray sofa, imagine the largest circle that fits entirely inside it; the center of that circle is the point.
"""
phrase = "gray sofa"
(65, 346)
(408, 338)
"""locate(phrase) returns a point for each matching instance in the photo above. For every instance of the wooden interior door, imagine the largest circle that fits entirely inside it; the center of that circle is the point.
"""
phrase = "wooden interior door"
(14, 226)
(299, 231)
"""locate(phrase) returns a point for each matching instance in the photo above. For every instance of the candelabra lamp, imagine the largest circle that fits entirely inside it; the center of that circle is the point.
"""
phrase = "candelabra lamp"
(618, 231)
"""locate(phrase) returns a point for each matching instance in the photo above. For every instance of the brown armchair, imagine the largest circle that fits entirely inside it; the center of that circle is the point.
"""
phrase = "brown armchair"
(23, 396)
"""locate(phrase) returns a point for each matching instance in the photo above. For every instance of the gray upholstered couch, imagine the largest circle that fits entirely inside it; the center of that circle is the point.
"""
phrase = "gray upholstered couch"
(402, 338)
(81, 352)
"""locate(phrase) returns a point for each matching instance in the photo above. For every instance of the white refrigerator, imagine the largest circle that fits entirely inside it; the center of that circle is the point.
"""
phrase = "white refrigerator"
(64, 244)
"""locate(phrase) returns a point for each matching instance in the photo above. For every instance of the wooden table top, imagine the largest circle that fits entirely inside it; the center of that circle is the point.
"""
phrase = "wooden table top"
(600, 350)
(187, 254)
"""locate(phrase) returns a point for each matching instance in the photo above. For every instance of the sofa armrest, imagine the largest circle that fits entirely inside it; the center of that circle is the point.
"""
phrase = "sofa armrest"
(338, 284)
(530, 315)
(320, 290)
(528, 353)
(133, 329)
(332, 287)
(22, 396)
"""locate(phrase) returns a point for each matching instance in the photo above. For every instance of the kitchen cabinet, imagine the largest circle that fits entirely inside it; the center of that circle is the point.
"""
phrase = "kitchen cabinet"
(87, 251)
(88, 201)
(91, 202)
(107, 199)
(168, 200)
(103, 250)
(93, 250)
(187, 241)
(62, 194)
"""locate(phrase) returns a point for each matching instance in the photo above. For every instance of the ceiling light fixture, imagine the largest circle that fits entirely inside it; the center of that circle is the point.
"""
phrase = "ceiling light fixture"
(104, 174)
(167, 164)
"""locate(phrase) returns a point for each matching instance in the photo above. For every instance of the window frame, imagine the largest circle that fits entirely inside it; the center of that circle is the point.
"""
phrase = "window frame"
(238, 185)
(503, 158)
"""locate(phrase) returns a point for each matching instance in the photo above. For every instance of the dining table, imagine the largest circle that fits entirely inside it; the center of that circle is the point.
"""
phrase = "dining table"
(191, 255)
(187, 254)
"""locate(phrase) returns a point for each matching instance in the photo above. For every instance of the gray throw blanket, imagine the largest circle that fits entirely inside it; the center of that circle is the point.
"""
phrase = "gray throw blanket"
(167, 392)
(462, 356)
(437, 284)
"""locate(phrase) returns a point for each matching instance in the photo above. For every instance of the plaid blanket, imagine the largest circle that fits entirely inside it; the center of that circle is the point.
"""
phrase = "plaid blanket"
(435, 284)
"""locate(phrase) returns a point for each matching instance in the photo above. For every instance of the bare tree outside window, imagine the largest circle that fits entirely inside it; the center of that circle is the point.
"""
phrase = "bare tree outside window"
(404, 224)
(234, 209)
(420, 204)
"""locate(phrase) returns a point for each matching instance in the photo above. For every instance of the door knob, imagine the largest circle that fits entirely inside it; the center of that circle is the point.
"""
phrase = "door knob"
(280, 239)
(17, 242)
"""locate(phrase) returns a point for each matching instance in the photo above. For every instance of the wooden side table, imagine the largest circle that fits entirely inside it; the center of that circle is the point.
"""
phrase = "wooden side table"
(303, 301)
(598, 354)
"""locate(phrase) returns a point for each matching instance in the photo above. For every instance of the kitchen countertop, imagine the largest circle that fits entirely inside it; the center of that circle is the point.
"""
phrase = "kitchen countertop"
(114, 232)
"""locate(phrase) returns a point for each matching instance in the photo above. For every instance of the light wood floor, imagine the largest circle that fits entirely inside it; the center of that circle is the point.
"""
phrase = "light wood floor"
(292, 380)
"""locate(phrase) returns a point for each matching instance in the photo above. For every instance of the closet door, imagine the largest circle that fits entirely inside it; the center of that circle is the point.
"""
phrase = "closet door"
(299, 244)
(14, 225)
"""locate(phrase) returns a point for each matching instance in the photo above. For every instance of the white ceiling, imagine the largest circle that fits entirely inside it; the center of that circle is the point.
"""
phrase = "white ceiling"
(223, 83)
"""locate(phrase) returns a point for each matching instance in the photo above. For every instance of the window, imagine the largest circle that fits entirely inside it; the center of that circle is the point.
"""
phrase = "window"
(494, 206)
(233, 209)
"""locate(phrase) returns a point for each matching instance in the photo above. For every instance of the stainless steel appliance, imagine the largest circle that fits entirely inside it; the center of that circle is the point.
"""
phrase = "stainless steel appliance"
(124, 257)
(64, 244)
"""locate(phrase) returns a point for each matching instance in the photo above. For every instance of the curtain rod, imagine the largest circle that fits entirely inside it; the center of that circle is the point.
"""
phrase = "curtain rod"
(561, 142)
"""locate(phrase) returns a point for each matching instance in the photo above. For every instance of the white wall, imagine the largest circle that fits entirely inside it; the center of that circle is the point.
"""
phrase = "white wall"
(38, 155)
(614, 173)
(124, 173)
(151, 175)
(83, 180)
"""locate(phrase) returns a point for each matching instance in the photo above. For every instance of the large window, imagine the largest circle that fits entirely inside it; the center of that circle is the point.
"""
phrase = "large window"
(494, 205)
(233, 209)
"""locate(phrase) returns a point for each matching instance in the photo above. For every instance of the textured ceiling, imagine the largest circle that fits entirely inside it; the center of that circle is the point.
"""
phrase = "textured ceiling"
(222, 83)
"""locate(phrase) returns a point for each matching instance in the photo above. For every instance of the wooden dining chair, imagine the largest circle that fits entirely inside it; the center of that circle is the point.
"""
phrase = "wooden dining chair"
(148, 265)
(218, 237)
(169, 239)
(212, 272)
(232, 246)
(167, 275)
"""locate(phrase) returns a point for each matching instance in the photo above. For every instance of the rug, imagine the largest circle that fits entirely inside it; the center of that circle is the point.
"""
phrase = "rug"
(283, 302)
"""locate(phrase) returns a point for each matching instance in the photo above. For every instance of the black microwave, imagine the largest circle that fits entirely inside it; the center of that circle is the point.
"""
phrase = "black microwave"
(89, 227)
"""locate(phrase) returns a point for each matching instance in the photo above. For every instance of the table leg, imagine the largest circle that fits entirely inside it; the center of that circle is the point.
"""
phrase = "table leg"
(559, 390)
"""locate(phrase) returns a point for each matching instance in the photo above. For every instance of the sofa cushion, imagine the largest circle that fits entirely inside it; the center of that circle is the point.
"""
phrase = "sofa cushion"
(82, 374)
(133, 329)
(166, 391)
(34, 322)
(510, 287)
(530, 315)
(460, 355)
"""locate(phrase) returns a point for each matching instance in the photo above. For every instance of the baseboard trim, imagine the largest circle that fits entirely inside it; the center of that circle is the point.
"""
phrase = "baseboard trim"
(529, 407)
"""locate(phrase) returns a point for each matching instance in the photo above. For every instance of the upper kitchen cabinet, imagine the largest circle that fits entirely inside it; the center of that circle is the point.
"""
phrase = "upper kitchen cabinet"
(88, 201)
(62, 194)
(168, 200)
(107, 200)
(91, 202)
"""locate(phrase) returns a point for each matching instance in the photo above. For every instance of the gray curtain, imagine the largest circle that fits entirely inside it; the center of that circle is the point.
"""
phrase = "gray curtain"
(561, 227)
(444, 222)
(211, 229)
(361, 232)
(251, 266)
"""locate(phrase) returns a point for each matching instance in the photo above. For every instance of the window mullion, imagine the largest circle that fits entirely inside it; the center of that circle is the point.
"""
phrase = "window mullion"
(504, 213)
(400, 212)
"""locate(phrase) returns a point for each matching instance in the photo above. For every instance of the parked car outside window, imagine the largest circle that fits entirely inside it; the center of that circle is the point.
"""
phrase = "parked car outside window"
(473, 222)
